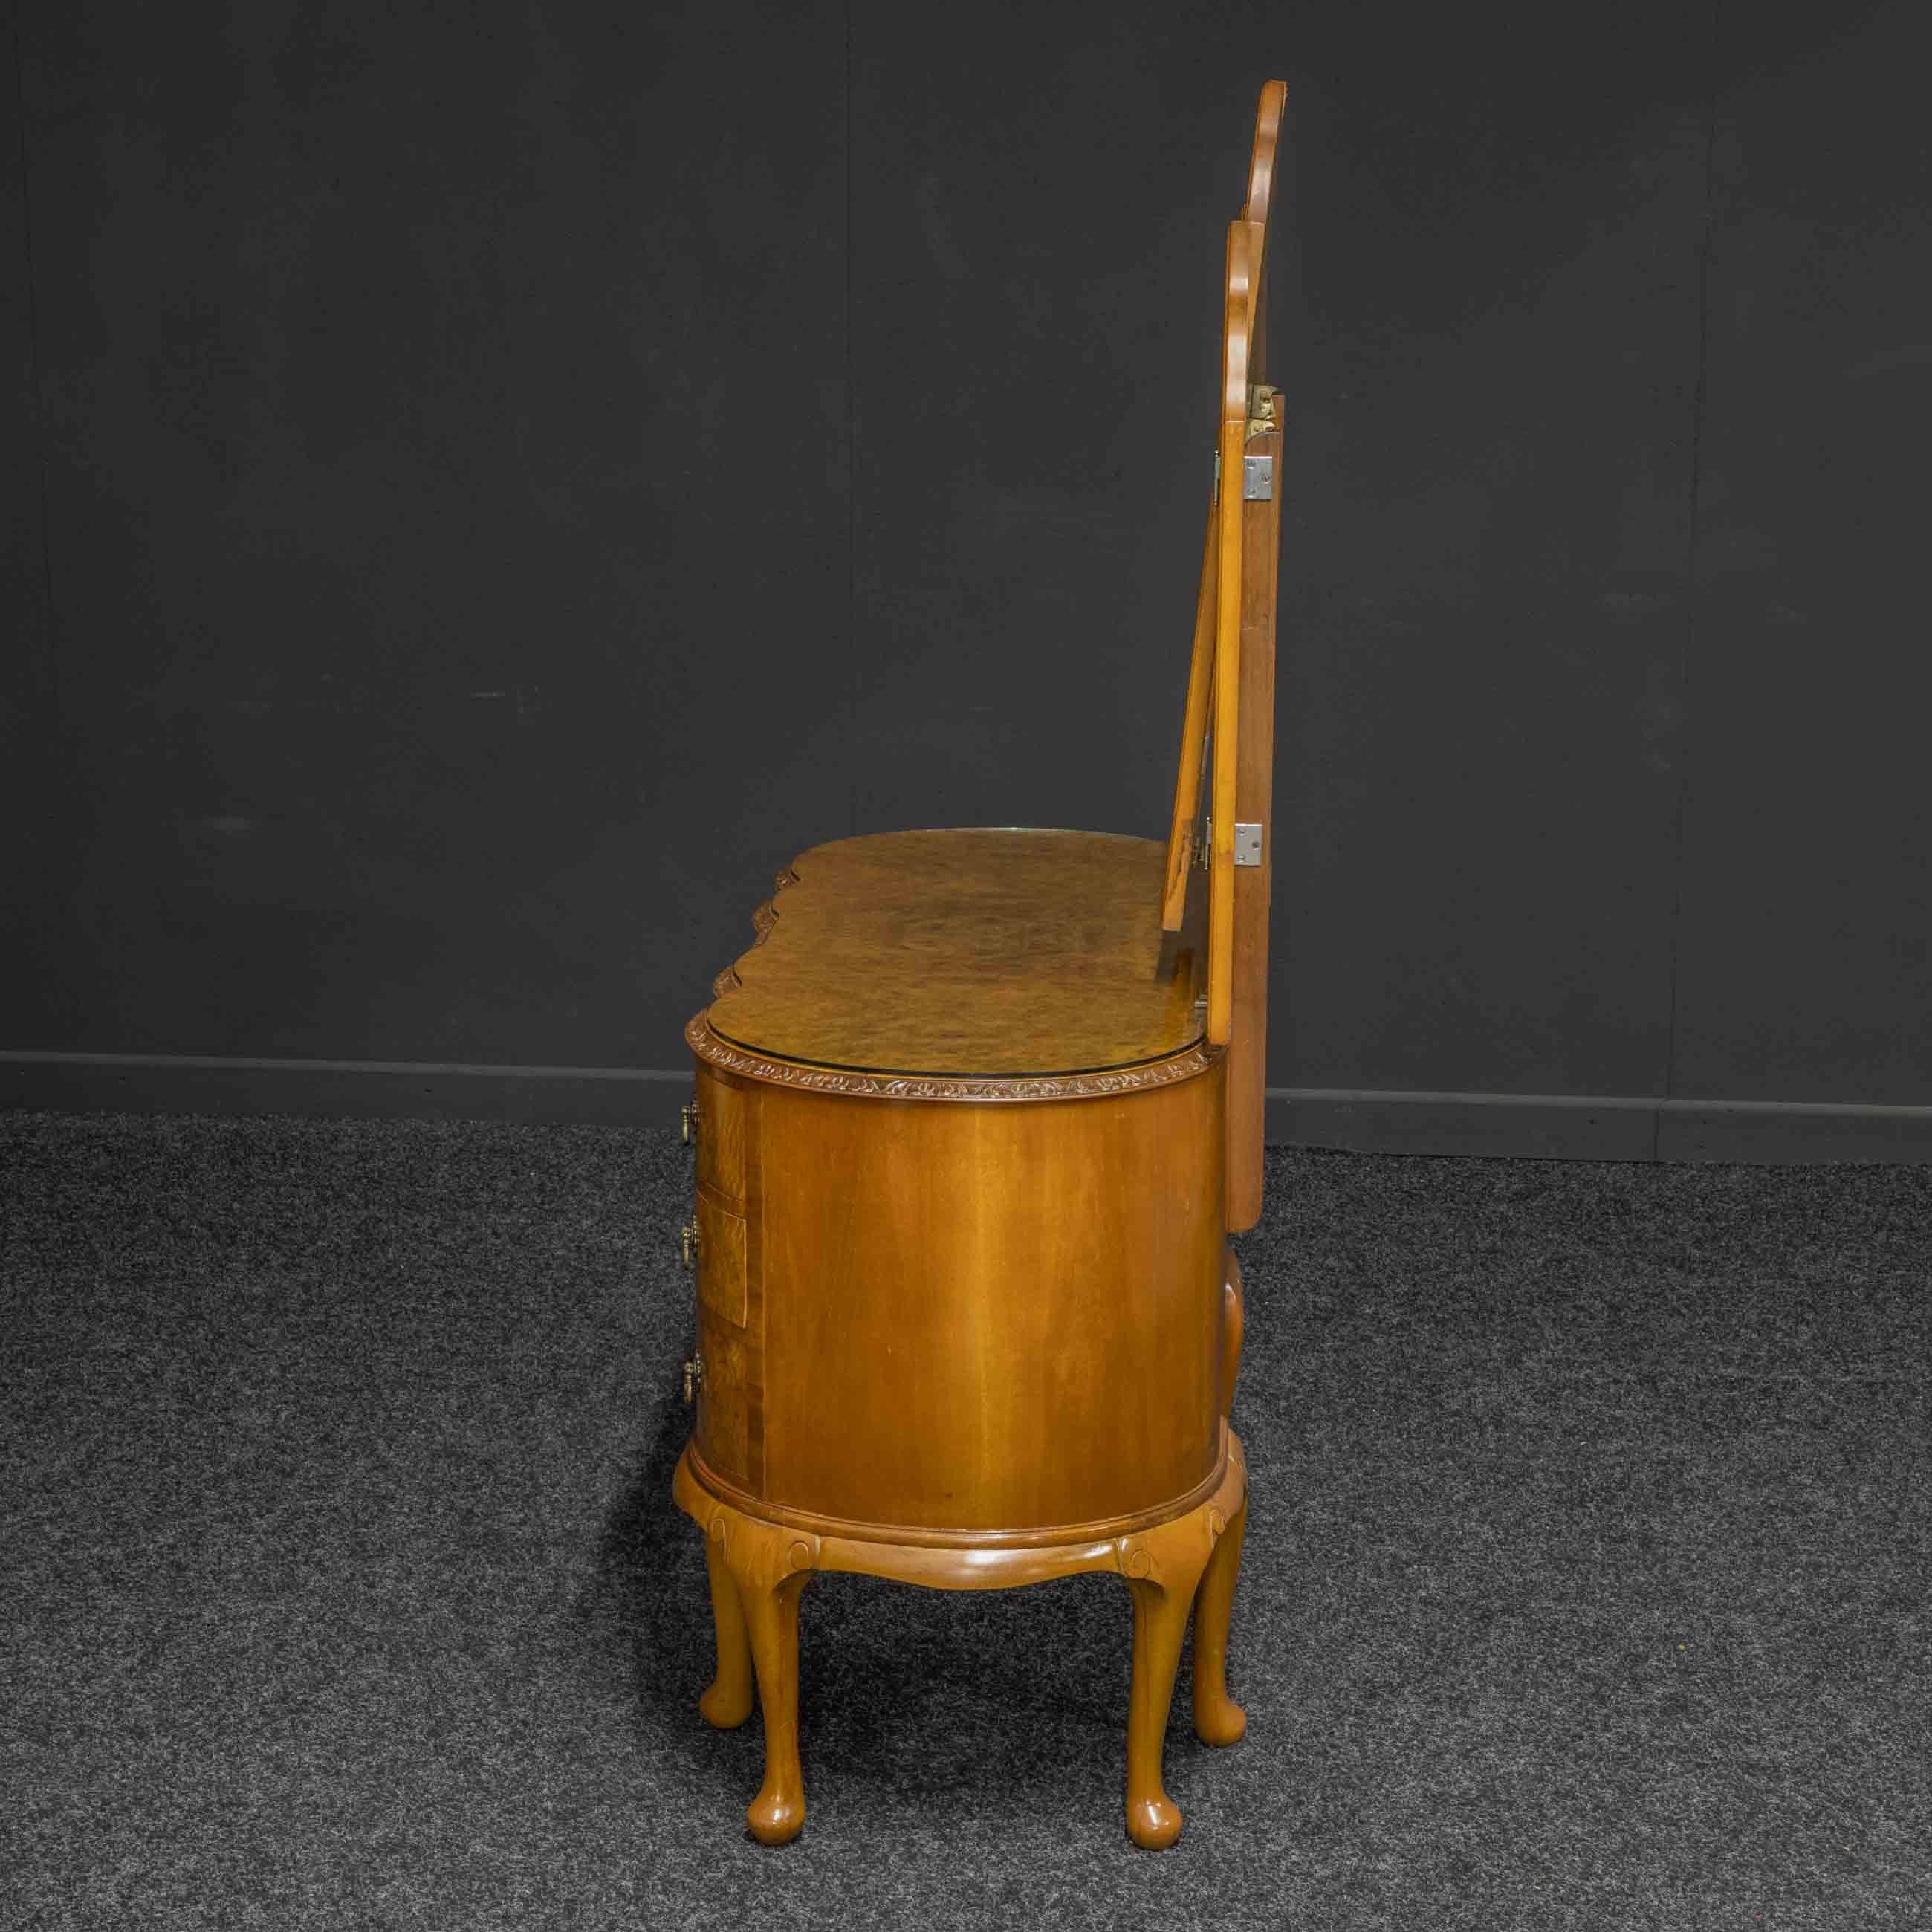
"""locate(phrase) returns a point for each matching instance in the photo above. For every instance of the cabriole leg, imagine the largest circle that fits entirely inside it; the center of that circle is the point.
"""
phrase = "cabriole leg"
(776, 1813)
(759, 1569)
(1160, 1622)
(728, 1702)
(1218, 1719)
(1162, 1567)
(758, 1572)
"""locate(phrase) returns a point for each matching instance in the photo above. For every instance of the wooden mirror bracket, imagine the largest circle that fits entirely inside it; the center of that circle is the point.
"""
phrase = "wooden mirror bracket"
(1228, 725)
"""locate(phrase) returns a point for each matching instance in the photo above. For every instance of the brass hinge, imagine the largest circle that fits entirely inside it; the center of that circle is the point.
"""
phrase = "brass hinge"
(693, 1378)
(687, 1240)
(1261, 418)
(691, 1117)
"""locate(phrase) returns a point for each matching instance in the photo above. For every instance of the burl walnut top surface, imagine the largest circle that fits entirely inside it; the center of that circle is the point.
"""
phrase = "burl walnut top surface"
(997, 951)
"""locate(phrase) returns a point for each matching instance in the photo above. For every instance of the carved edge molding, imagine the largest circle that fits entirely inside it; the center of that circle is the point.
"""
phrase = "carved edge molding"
(716, 1052)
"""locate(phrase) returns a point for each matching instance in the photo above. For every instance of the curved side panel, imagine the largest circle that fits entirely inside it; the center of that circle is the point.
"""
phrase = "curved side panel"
(978, 1317)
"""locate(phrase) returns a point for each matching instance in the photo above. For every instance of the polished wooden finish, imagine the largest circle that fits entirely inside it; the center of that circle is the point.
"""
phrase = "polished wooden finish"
(974, 1115)
(758, 1571)
(1243, 367)
(1218, 1719)
(985, 953)
(729, 1263)
(1186, 1562)
(1268, 113)
(970, 1332)
(1087, 1220)
(1254, 804)
(1254, 756)
(1230, 686)
(1230, 530)
(1057, 1362)
(1181, 835)
(727, 1701)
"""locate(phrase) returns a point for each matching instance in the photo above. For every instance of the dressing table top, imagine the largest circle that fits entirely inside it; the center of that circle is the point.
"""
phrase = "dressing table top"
(1002, 952)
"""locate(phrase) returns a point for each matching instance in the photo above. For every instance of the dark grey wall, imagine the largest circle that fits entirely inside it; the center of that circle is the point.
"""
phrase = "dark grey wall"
(484, 488)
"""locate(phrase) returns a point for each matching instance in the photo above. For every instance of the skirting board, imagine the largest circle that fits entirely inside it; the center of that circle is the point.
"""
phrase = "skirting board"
(1535, 1127)
(155, 1083)
(1597, 1127)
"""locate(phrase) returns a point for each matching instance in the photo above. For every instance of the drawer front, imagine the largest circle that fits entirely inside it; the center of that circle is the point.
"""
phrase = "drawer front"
(724, 1125)
(721, 1281)
(729, 1403)
(730, 1418)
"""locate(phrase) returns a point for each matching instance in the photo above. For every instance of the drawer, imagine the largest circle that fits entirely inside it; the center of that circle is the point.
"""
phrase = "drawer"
(729, 1403)
(724, 1126)
(722, 1287)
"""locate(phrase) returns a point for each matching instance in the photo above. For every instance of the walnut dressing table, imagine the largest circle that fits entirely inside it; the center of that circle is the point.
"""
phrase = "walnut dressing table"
(973, 1118)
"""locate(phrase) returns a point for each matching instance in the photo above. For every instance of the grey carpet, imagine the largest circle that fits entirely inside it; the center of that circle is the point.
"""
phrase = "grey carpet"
(1586, 1584)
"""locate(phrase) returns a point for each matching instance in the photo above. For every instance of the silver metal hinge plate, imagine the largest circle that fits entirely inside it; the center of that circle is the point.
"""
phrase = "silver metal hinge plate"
(1258, 479)
(1247, 844)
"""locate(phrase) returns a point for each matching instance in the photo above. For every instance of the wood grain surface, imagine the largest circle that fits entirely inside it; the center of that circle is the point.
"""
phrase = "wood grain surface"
(994, 952)
(992, 1318)
(1253, 885)
(968, 1147)
(759, 1569)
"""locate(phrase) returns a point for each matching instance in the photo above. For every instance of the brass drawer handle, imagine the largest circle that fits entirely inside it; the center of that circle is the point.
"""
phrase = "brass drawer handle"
(693, 1378)
(687, 1241)
(691, 1117)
